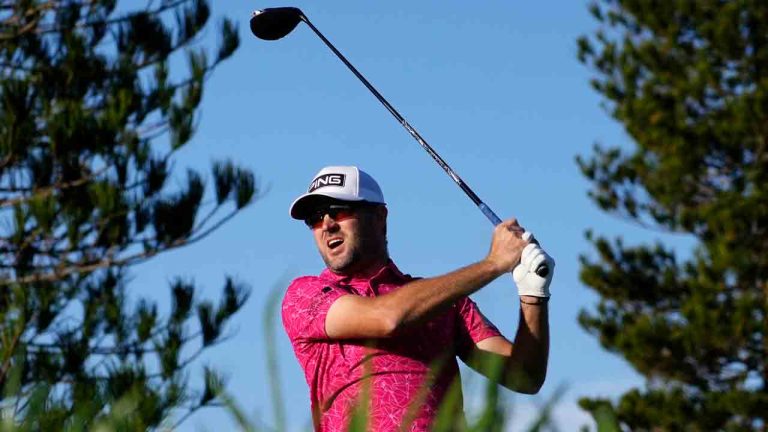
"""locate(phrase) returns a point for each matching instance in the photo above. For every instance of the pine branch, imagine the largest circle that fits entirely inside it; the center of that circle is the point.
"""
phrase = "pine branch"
(87, 24)
(18, 67)
(63, 271)
(134, 347)
(14, 19)
(625, 217)
(55, 254)
(192, 410)
(47, 191)
(10, 350)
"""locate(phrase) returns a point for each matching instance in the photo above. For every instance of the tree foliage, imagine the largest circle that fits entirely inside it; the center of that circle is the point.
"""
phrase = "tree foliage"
(689, 82)
(91, 114)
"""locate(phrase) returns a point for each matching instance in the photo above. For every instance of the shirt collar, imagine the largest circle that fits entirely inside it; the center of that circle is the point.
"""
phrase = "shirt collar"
(387, 272)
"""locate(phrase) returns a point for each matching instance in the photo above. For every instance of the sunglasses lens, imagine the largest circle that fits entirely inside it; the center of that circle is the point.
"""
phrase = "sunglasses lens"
(341, 214)
(336, 212)
(313, 220)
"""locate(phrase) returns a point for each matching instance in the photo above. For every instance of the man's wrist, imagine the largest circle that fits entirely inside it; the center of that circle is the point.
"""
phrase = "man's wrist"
(533, 300)
(495, 268)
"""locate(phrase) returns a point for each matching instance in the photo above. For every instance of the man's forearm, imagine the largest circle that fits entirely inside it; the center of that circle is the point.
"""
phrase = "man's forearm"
(531, 345)
(416, 301)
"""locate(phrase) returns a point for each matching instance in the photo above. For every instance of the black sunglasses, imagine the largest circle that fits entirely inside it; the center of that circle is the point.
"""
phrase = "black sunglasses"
(337, 212)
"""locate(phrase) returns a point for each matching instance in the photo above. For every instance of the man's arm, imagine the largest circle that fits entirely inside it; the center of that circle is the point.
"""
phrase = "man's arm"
(521, 366)
(384, 316)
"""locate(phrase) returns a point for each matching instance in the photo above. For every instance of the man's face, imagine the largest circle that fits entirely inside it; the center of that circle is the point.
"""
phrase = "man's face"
(352, 244)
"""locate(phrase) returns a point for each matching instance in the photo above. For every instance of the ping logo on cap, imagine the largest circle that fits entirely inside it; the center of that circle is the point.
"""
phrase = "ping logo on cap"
(327, 180)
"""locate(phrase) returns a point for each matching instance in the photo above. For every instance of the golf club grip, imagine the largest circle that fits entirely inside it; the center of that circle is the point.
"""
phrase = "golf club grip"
(541, 270)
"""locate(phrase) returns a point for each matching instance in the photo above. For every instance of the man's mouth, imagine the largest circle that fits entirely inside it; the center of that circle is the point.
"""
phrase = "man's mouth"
(334, 243)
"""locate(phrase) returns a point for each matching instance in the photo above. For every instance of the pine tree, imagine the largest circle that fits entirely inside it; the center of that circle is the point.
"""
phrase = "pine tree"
(688, 80)
(91, 115)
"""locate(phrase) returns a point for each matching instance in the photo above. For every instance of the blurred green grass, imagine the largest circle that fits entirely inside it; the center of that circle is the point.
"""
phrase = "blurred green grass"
(493, 415)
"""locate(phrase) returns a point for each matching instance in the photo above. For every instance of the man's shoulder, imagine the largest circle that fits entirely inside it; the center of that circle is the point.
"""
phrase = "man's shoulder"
(303, 292)
(302, 283)
(310, 285)
(305, 279)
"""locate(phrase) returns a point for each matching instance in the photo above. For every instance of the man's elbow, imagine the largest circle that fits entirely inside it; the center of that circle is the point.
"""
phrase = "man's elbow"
(530, 383)
(531, 388)
(389, 323)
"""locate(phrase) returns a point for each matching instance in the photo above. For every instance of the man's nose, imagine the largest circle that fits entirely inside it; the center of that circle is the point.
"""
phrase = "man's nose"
(329, 224)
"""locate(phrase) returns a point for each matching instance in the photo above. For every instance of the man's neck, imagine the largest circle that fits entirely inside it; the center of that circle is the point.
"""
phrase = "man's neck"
(364, 270)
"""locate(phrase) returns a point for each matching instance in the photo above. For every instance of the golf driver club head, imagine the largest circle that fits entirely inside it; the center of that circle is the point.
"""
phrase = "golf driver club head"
(274, 23)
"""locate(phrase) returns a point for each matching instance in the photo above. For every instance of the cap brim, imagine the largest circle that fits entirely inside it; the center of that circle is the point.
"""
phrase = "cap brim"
(304, 204)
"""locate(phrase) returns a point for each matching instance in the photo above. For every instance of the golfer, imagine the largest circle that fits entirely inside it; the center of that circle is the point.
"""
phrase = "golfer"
(366, 334)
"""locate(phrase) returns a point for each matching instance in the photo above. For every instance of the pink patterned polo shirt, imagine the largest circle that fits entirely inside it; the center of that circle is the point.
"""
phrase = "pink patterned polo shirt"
(395, 371)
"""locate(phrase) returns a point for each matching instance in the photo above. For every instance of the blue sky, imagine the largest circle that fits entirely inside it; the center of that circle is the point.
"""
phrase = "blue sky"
(494, 86)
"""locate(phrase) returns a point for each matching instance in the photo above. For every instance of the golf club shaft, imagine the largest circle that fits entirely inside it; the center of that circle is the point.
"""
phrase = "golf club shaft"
(542, 270)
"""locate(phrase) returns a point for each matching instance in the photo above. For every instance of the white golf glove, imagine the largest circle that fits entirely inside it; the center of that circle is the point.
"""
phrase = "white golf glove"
(528, 282)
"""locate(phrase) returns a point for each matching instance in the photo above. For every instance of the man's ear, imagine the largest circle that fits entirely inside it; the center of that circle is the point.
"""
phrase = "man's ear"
(381, 217)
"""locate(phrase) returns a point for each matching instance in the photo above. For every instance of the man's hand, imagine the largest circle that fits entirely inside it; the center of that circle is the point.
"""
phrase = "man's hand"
(507, 246)
(528, 282)
(525, 360)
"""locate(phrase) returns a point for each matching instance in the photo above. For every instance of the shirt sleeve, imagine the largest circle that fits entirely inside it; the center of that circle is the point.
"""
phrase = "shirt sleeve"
(473, 326)
(305, 307)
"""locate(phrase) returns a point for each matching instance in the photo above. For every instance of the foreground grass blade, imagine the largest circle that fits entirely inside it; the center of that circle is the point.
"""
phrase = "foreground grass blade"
(271, 309)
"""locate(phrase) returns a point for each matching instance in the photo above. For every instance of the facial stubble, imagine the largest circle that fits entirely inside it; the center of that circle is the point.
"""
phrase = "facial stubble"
(366, 246)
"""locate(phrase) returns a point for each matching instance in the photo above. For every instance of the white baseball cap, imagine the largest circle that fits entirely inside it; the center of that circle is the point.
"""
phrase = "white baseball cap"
(344, 183)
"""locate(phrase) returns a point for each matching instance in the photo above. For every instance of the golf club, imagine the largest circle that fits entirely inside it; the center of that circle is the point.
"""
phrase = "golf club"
(275, 23)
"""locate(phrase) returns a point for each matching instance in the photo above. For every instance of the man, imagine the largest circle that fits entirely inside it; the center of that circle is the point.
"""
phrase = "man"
(368, 335)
